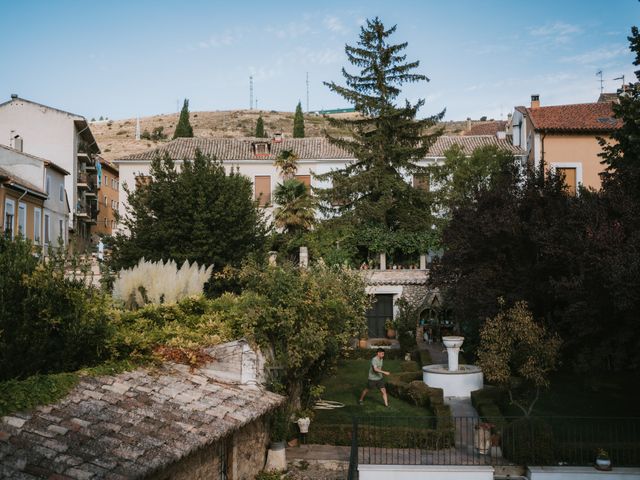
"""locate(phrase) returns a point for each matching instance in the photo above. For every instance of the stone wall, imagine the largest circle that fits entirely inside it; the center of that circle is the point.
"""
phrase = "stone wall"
(245, 449)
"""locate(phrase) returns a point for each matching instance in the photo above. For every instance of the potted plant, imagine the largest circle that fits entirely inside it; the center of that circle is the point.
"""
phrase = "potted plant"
(391, 328)
(362, 343)
(603, 462)
(304, 419)
(278, 430)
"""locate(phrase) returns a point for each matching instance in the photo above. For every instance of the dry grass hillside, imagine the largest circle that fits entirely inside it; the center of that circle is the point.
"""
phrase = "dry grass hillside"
(116, 138)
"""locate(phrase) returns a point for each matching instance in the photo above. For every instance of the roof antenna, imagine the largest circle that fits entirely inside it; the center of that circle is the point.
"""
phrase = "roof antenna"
(599, 74)
(621, 78)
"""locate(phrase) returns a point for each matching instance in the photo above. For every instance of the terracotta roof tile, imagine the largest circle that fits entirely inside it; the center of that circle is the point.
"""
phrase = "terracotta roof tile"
(318, 148)
(487, 128)
(581, 117)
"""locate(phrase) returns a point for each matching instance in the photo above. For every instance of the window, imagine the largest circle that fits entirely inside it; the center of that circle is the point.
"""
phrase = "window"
(105, 222)
(61, 227)
(570, 178)
(113, 183)
(106, 180)
(261, 148)
(142, 180)
(421, 181)
(46, 229)
(262, 186)
(306, 179)
(37, 225)
(61, 192)
(22, 219)
(48, 185)
(106, 203)
(9, 215)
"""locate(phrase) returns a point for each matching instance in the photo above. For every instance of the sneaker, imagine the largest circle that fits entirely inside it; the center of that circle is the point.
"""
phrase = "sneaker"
(360, 402)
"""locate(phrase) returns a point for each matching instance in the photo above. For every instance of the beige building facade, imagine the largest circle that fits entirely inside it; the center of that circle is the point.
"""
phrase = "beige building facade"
(108, 198)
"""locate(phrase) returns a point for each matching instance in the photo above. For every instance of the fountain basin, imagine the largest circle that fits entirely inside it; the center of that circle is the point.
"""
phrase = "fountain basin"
(454, 383)
(452, 341)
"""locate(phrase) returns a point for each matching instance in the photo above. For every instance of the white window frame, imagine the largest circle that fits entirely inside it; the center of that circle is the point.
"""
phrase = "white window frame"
(577, 165)
(61, 227)
(47, 229)
(22, 219)
(9, 202)
(37, 226)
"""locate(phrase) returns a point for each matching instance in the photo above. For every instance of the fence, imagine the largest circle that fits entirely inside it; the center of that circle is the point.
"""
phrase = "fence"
(537, 441)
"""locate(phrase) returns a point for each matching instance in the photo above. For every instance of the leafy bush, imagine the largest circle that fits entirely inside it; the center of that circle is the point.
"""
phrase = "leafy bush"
(425, 357)
(529, 441)
(159, 282)
(49, 322)
(409, 366)
(369, 353)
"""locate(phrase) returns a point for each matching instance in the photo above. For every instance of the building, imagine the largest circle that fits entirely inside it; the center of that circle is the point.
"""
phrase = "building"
(50, 220)
(564, 138)
(22, 204)
(254, 158)
(108, 198)
(64, 139)
(170, 422)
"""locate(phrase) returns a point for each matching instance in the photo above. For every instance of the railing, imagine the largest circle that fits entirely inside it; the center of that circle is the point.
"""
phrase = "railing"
(540, 441)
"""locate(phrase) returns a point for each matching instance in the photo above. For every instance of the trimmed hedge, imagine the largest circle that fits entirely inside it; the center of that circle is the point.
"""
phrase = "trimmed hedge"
(486, 402)
(368, 353)
(425, 357)
(529, 441)
(409, 366)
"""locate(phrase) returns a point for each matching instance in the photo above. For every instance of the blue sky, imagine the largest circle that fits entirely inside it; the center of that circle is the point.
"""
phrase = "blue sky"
(121, 59)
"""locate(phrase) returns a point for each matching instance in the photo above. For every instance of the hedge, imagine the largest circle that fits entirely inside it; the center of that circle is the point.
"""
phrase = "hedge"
(368, 353)
(425, 357)
(486, 402)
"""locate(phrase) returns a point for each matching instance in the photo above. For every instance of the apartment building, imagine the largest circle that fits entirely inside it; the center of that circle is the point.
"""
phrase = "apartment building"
(46, 217)
(108, 198)
(64, 139)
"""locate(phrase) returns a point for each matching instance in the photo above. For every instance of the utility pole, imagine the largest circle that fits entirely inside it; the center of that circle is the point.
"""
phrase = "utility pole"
(251, 92)
(138, 128)
(307, 92)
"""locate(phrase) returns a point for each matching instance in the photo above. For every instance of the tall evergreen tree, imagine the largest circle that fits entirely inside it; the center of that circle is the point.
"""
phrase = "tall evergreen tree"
(386, 139)
(260, 133)
(183, 128)
(298, 122)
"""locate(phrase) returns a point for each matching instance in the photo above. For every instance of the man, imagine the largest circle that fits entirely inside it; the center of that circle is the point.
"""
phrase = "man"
(375, 378)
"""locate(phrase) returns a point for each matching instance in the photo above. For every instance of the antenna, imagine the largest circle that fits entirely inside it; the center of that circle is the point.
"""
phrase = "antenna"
(620, 78)
(599, 74)
(138, 128)
(307, 92)
(250, 92)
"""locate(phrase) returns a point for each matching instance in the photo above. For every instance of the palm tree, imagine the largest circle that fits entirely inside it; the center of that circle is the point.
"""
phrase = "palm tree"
(287, 162)
(296, 207)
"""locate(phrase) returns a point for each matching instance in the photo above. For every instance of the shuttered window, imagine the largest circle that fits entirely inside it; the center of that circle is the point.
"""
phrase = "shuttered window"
(306, 179)
(570, 179)
(421, 181)
(262, 185)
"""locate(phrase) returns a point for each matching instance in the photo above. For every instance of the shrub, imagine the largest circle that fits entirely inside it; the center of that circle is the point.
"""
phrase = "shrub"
(409, 366)
(159, 282)
(48, 322)
(425, 357)
(368, 353)
(408, 377)
(529, 441)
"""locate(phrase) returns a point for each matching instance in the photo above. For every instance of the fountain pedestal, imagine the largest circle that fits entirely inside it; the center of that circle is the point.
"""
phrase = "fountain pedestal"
(455, 380)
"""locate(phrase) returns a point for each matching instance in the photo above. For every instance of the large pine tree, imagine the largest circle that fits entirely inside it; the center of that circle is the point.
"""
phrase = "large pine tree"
(260, 133)
(386, 139)
(184, 129)
(298, 122)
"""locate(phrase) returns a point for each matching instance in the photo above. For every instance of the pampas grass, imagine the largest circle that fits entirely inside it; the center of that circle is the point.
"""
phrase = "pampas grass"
(159, 282)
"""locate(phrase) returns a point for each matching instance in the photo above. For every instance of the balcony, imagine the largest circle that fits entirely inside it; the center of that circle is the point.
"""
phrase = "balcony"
(87, 181)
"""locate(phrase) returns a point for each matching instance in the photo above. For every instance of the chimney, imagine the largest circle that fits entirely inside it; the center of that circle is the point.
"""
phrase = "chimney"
(468, 123)
(535, 101)
(14, 96)
(277, 137)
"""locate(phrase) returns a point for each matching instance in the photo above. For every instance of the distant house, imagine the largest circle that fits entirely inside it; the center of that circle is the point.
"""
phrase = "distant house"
(169, 422)
(47, 223)
(22, 204)
(564, 138)
(65, 139)
(497, 128)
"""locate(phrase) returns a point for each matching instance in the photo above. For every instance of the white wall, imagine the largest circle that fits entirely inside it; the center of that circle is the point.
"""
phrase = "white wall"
(418, 472)
(582, 473)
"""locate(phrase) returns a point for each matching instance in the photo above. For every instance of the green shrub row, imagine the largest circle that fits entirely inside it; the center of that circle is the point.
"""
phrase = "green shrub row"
(368, 353)
(486, 402)
(410, 366)
(424, 357)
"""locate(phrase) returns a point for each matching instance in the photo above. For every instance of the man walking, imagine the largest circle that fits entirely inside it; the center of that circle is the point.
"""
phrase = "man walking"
(375, 378)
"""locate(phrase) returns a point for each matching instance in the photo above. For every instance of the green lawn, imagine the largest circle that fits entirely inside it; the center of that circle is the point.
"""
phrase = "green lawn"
(345, 387)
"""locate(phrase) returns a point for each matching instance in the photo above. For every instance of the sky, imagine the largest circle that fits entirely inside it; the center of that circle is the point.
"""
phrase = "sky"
(122, 59)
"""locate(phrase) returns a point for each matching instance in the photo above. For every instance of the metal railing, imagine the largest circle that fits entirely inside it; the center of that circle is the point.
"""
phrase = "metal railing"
(540, 441)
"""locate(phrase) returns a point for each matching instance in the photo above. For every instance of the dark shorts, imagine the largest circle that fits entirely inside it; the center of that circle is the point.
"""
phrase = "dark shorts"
(375, 384)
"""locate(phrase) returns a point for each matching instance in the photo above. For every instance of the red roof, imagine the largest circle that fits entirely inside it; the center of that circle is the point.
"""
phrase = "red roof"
(580, 117)
(487, 128)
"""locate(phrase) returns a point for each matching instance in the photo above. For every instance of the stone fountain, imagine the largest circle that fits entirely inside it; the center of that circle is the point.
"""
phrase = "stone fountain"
(454, 379)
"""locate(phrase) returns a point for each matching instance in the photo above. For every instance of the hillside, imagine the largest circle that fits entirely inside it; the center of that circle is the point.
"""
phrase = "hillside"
(116, 138)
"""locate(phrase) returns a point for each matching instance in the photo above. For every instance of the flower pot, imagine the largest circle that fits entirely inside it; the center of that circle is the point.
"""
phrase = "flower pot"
(362, 343)
(303, 424)
(277, 445)
(391, 333)
(603, 464)
(495, 440)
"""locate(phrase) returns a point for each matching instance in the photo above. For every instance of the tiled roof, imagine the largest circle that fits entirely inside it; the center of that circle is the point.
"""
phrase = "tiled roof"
(581, 117)
(469, 143)
(127, 426)
(395, 277)
(316, 148)
(608, 97)
(487, 128)
(13, 179)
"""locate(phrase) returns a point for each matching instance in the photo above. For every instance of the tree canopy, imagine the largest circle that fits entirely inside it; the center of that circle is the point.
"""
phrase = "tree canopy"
(260, 133)
(183, 128)
(386, 139)
(298, 122)
(197, 213)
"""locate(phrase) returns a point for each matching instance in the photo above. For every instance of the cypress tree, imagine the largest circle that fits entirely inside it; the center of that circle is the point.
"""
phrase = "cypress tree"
(386, 139)
(183, 128)
(260, 133)
(298, 122)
